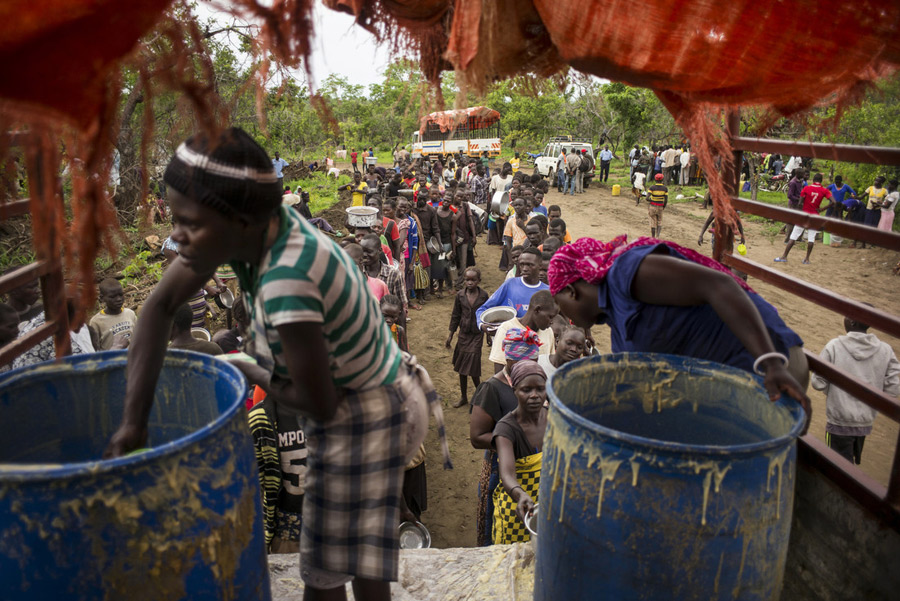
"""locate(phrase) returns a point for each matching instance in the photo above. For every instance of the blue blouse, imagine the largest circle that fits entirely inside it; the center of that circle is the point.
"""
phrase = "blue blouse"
(694, 331)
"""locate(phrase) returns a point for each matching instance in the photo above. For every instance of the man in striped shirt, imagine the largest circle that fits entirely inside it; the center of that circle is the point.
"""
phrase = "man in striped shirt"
(322, 348)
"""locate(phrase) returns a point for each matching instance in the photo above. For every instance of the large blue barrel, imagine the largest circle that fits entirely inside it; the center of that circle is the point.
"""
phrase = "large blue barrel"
(664, 478)
(179, 521)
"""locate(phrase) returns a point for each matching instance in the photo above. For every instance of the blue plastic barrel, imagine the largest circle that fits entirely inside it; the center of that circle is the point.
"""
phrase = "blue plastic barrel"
(179, 521)
(664, 478)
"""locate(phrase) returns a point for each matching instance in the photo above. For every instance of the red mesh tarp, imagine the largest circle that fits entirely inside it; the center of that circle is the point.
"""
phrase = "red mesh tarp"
(60, 56)
(447, 120)
(57, 54)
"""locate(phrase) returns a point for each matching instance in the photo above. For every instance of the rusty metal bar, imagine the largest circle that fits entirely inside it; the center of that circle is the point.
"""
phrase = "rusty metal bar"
(816, 294)
(876, 399)
(860, 486)
(52, 283)
(882, 238)
(25, 275)
(27, 341)
(15, 208)
(893, 492)
(878, 155)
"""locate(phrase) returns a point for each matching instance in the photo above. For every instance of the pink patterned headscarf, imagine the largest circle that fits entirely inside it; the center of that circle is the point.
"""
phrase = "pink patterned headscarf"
(590, 260)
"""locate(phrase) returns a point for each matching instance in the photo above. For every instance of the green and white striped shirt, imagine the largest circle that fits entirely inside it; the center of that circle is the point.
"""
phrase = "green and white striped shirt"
(306, 278)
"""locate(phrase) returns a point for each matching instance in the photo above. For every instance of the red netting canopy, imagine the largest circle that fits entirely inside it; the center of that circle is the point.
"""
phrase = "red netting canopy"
(59, 56)
(446, 120)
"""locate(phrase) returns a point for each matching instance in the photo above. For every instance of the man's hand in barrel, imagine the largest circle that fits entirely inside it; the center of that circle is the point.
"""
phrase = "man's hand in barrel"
(126, 439)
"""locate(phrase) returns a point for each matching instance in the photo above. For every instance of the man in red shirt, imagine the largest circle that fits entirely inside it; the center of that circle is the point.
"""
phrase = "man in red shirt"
(353, 155)
(812, 196)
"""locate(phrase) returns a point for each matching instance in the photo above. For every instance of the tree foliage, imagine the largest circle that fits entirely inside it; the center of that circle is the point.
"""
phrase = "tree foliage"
(384, 115)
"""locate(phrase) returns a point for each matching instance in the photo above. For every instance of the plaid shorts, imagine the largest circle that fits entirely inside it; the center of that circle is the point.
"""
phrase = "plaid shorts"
(354, 480)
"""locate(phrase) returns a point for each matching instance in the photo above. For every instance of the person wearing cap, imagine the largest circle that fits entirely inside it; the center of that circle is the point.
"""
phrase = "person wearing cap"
(657, 199)
(322, 350)
(659, 297)
(493, 399)
(519, 440)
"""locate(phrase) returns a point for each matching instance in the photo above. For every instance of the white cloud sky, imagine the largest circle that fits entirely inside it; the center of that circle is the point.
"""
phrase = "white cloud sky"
(342, 47)
(338, 46)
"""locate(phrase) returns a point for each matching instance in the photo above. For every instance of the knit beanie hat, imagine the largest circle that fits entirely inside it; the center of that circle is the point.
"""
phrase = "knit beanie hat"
(232, 175)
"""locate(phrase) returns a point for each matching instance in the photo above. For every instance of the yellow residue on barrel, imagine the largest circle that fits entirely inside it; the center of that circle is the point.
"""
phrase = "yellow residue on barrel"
(777, 463)
(608, 469)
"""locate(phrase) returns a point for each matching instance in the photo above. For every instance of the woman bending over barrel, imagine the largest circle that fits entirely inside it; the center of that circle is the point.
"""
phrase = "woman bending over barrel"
(519, 440)
(659, 297)
(322, 348)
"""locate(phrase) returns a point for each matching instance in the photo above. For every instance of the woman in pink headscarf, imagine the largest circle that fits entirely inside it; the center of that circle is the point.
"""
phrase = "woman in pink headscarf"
(659, 297)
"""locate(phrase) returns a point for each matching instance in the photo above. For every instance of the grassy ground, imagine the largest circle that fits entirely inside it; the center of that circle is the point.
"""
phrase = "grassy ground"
(619, 174)
(323, 191)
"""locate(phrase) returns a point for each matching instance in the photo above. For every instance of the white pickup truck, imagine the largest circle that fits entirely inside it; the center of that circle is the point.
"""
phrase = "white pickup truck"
(545, 164)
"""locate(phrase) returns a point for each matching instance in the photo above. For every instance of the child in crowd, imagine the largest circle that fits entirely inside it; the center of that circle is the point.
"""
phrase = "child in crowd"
(554, 213)
(874, 196)
(467, 354)
(377, 287)
(182, 337)
(865, 357)
(637, 186)
(887, 207)
(569, 346)
(280, 446)
(392, 310)
(26, 299)
(514, 253)
(113, 318)
(551, 245)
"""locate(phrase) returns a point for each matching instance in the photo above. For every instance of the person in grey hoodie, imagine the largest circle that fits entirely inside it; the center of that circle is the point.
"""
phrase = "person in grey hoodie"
(864, 356)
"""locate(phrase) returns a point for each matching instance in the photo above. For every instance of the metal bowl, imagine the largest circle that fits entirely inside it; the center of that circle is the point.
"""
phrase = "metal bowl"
(406, 193)
(225, 300)
(362, 216)
(414, 535)
(531, 521)
(494, 316)
(499, 203)
(201, 334)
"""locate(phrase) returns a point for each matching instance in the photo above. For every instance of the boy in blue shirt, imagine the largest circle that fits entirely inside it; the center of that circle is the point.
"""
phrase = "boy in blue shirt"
(517, 292)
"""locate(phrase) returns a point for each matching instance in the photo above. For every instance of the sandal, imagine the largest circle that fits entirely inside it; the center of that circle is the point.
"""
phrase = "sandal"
(780, 260)
(805, 261)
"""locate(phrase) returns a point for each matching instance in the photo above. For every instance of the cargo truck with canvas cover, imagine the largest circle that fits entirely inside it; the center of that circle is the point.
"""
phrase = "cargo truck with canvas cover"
(474, 132)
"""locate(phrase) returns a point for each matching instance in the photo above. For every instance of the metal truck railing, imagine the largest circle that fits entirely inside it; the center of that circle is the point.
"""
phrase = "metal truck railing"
(881, 501)
(45, 268)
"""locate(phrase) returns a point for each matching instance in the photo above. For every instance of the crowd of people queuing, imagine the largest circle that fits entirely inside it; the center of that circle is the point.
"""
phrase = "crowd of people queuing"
(320, 330)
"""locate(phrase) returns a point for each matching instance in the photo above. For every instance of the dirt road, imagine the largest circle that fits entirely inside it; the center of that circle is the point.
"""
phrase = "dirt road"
(861, 274)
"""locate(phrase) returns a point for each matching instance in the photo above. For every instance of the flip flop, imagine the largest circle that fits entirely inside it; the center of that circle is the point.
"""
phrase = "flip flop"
(780, 260)
(805, 262)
